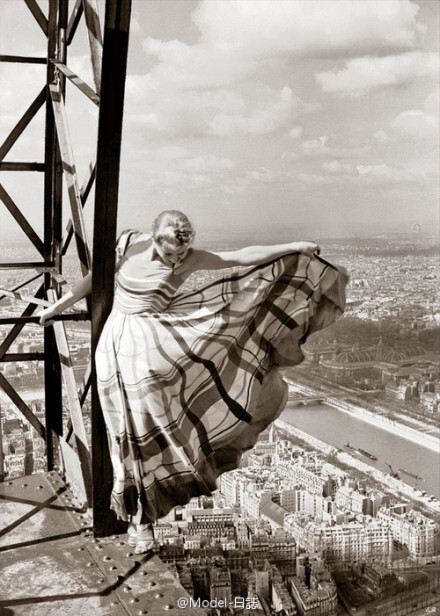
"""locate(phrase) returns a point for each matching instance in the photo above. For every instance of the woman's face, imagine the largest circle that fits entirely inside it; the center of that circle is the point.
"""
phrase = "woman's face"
(170, 254)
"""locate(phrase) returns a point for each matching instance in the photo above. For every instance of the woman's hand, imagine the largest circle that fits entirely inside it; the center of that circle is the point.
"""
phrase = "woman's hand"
(46, 316)
(308, 248)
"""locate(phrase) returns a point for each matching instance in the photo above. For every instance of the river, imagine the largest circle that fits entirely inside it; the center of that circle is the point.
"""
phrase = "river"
(337, 428)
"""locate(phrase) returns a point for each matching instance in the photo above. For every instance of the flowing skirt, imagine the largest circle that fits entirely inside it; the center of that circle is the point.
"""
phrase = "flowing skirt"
(186, 391)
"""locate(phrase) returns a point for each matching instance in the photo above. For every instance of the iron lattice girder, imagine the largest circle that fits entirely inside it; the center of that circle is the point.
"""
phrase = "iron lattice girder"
(60, 29)
(51, 248)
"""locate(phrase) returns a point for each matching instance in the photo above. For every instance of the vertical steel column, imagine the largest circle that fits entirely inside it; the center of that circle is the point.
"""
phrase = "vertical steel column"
(114, 66)
(2, 466)
(52, 236)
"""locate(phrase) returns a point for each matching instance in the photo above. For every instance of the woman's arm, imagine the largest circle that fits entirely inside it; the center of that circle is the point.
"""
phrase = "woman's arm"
(80, 289)
(252, 255)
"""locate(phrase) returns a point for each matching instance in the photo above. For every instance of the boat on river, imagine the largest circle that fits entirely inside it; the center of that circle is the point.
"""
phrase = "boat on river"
(413, 475)
(367, 454)
(361, 451)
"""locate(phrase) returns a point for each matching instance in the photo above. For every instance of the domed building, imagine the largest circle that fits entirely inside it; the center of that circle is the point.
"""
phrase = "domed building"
(380, 361)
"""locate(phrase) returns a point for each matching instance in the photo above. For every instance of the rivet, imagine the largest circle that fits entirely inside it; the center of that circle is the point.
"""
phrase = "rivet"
(107, 558)
(24, 485)
(98, 547)
(113, 568)
(121, 543)
(144, 572)
(141, 612)
(127, 588)
(134, 600)
(114, 537)
(114, 603)
(39, 487)
(80, 549)
(151, 584)
(158, 595)
(84, 523)
(90, 564)
(9, 483)
(168, 607)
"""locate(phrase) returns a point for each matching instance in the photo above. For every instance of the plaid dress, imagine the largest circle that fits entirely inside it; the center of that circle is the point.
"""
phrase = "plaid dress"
(187, 381)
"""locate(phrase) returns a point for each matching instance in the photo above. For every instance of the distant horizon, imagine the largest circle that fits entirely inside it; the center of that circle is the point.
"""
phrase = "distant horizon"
(204, 232)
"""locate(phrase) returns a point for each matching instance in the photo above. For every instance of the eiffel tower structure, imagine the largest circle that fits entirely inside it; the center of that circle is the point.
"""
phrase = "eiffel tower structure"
(62, 549)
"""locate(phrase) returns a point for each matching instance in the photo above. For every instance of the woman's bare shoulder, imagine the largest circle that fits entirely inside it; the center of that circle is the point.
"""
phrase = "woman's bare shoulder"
(131, 243)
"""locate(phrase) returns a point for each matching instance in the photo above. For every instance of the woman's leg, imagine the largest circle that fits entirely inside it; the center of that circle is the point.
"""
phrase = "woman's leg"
(144, 538)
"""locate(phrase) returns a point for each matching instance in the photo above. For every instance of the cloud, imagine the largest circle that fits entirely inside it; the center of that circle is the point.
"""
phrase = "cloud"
(20, 84)
(277, 112)
(135, 25)
(320, 147)
(381, 137)
(262, 175)
(432, 103)
(211, 86)
(236, 36)
(417, 123)
(206, 164)
(259, 29)
(420, 123)
(193, 66)
(218, 112)
(172, 167)
(376, 174)
(336, 167)
(363, 75)
(296, 132)
(316, 147)
(178, 112)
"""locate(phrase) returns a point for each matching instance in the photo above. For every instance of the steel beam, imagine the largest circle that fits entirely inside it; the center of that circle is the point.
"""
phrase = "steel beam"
(74, 20)
(22, 166)
(21, 404)
(21, 220)
(95, 39)
(52, 220)
(38, 14)
(69, 168)
(23, 122)
(22, 59)
(78, 82)
(114, 66)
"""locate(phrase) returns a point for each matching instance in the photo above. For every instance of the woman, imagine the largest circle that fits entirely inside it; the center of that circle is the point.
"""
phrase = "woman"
(187, 381)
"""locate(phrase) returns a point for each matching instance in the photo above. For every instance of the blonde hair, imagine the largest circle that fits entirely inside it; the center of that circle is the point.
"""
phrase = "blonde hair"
(173, 227)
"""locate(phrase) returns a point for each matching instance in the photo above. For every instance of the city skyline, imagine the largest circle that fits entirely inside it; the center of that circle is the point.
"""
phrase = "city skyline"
(230, 105)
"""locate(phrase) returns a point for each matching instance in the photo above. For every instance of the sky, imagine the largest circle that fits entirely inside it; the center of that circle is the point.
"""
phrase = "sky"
(303, 117)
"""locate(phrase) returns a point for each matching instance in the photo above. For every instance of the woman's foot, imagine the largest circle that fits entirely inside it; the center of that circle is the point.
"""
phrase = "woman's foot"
(132, 534)
(144, 539)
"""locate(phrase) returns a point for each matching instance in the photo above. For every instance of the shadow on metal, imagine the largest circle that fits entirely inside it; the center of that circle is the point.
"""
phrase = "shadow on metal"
(51, 564)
